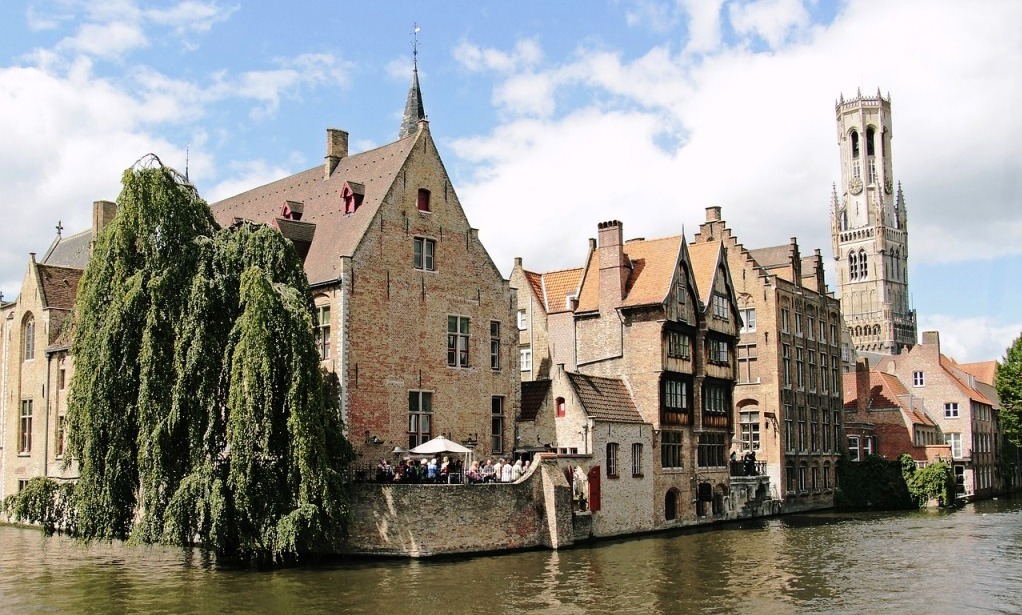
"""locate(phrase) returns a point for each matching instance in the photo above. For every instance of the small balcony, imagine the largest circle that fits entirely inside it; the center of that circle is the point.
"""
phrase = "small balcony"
(748, 468)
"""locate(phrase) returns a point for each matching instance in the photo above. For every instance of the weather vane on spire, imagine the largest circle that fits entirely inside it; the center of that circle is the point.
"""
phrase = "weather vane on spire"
(415, 46)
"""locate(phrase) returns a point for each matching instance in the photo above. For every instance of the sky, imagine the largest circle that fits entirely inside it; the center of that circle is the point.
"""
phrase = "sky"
(550, 118)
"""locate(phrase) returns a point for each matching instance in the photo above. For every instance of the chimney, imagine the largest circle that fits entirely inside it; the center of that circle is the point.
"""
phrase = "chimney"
(931, 338)
(336, 148)
(518, 262)
(613, 273)
(103, 213)
(862, 385)
(713, 213)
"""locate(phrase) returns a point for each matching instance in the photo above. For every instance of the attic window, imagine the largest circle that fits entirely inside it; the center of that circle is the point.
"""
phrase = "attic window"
(422, 201)
(292, 210)
(352, 194)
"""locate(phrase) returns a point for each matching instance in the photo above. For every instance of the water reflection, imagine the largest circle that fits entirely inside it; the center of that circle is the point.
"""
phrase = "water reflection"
(917, 562)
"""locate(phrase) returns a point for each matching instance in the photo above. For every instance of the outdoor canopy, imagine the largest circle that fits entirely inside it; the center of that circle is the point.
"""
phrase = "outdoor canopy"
(439, 444)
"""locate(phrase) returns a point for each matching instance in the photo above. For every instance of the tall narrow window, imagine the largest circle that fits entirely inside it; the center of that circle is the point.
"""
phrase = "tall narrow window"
(802, 440)
(636, 460)
(612, 460)
(679, 289)
(60, 436)
(747, 372)
(422, 200)
(855, 144)
(786, 361)
(526, 359)
(424, 254)
(559, 407)
(323, 331)
(494, 344)
(521, 320)
(457, 341)
(954, 440)
(497, 424)
(420, 417)
(25, 427)
(800, 368)
(826, 432)
(28, 338)
(785, 320)
(798, 323)
(853, 448)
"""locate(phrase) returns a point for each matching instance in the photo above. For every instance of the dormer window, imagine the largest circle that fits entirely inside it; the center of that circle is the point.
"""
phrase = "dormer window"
(292, 210)
(422, 201)
(352, 195)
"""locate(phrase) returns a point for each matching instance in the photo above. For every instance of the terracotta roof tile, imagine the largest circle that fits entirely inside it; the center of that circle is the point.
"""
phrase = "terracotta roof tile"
(950, 367)
(534, 393)
(605, 399)
(984, 371)
(885, 391)
(535, 281)
(557, 286)
(705, 258)
(337, 233)
(652, 265)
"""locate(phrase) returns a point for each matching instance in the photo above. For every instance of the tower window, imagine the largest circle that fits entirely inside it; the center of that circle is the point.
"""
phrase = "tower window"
(855, 144)
(870, 135)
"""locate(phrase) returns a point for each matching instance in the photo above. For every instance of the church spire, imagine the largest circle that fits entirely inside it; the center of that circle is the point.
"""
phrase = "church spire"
(414, 111)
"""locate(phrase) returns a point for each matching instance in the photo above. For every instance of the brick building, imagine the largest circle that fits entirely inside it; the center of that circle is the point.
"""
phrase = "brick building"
(36, 369)
(788, 406)
(884, 417)
(964, 414)
(656, 322)
(413, 318)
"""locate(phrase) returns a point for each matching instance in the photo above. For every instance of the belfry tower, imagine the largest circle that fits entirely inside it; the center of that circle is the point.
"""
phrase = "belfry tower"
(869, 229)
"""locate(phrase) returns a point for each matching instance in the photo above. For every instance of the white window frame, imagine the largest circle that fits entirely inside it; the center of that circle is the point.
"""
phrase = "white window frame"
(951, 410)
(525, 354)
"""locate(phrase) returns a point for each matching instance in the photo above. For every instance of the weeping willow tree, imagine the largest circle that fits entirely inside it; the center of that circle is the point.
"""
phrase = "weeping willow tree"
(198, 412)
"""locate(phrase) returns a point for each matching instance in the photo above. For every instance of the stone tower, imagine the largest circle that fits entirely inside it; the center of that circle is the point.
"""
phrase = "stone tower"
(869, 229)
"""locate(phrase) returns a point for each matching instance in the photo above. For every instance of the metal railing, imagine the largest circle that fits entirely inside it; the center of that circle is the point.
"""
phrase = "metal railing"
(748, 468)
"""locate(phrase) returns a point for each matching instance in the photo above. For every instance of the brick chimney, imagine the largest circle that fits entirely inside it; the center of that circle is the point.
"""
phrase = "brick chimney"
(336, 148)
(613, 272)
(103, 213)
(713, 213)
(862, 385)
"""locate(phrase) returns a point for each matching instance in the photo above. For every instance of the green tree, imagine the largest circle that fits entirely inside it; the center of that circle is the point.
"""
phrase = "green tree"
(198, 412)
(1009, 391)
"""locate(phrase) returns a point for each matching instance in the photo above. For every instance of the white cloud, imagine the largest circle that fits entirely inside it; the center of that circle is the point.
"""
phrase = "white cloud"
(246, 175)
(704, 32)
(109, 40)
(774, 21)
(526, 53)
(969, 340)
(191, 16)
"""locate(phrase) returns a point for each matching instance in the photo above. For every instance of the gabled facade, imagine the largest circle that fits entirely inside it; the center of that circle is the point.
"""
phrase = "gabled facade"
(965, 416)
(787, 402)
(413, 318)
(898, 420)
(545, 304)
(658, 317)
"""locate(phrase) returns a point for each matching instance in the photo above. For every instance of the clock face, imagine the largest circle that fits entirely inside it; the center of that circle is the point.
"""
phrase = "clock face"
(855, 185)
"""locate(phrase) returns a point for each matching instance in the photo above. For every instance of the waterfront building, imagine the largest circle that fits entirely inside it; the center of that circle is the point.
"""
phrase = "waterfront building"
(964, 414)
(412, 317)
(884, 417)
(643, 362)
(869, 229)
(36, 367)
(788, 396)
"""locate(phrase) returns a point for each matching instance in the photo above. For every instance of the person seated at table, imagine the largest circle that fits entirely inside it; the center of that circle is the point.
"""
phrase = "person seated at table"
(473, 475)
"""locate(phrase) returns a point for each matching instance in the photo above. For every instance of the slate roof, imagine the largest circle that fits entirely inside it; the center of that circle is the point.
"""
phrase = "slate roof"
(71, 251)
(337, 233)
(534, 392)
(605, 399)
(773, 256)
(59, 285)
(652, 265)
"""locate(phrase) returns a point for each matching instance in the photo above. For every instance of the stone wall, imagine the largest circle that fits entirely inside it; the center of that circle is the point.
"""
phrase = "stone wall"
(425, 520)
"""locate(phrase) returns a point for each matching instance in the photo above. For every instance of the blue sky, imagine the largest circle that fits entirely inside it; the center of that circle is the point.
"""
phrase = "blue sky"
(550, 117)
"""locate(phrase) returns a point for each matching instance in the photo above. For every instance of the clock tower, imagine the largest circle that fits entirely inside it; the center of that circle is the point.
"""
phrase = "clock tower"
(869, 229)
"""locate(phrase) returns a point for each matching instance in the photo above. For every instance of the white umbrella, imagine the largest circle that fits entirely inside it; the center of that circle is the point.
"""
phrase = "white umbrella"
(439, 444)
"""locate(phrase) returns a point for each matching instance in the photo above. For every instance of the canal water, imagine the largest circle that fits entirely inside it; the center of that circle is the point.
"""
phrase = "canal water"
(928, 562)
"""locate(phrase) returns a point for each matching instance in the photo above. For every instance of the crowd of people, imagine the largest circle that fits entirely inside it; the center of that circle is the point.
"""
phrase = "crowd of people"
(446, 471)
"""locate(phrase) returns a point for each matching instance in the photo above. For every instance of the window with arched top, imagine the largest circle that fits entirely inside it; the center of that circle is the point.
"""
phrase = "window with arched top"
(855, 144)
(844, 219)
(862, 264)
(870, 136)
(560, 406)
(28, 337)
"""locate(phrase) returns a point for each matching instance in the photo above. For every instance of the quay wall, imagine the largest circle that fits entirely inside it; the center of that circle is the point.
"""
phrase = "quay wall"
(426, 520)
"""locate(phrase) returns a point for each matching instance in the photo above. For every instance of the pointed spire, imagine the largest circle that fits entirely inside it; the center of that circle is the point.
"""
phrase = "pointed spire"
(414, 111)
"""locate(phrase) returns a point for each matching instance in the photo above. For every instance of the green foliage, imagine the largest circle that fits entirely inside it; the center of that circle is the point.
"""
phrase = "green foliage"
(1009, 391)
(933, 482)
(874, 482)
(198, 412)
(43, 502)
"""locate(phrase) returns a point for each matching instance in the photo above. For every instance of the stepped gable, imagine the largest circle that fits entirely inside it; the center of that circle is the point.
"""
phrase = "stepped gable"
(605, 399)
(336, 234)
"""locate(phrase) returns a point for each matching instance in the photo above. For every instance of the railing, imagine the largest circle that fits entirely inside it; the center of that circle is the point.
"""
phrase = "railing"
(748, 468)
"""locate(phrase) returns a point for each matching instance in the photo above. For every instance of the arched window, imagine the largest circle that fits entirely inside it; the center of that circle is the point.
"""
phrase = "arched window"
(671, 505)
(853, 268)
(870, 134)
(28, 337)
(844, 219)
(560, 406)
(862, 264)
(855, 144)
